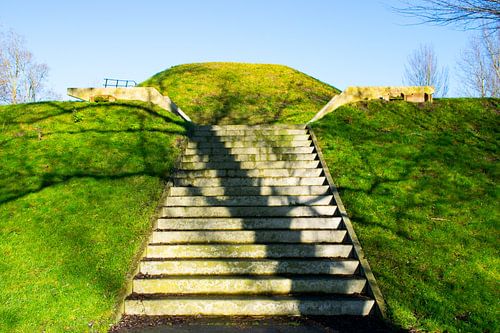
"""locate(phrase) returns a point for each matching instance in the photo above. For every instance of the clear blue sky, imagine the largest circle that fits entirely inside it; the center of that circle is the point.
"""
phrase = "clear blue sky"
(356, 42)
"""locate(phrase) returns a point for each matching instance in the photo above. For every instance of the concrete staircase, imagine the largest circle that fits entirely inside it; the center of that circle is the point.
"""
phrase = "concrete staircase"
(250, 227)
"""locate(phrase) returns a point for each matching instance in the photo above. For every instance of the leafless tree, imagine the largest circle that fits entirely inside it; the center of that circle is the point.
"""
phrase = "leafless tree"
(422, 70)
(22, 79)
(479, 66)
(468, 14)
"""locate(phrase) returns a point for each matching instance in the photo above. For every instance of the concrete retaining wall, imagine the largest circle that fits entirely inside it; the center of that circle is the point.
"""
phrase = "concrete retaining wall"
(414, 94)
(145, 94)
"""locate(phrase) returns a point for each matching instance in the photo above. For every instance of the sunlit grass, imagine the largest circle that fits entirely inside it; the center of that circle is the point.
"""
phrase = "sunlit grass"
(79, 183)
(421, 185)
(237, 93)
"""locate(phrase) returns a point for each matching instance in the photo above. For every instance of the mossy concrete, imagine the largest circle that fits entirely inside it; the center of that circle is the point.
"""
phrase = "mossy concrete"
(249, 173)
(247, 181)
(249, 157)
(250, 150)
(248, 223)
(249, 266)
(250, 190)
(149, 95)
(241, 211)
(249, 144)
(250, 165)
(248, 285)
(248, 236)
(250, 251)
(261, 200)
(271, 306)
(357, 94)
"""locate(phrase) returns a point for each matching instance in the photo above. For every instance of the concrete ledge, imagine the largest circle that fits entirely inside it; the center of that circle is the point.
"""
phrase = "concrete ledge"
(249, 285)
(263, 306)
(248, 150)
(251, 251)
(249, 173)
(415, 94)
(250, 144)
(249, 157)
(248, 223)
(247, 236)
(250, 200)
(250, 165)
(255, 211)
(145, 94)
(269, 181)
(249, 266)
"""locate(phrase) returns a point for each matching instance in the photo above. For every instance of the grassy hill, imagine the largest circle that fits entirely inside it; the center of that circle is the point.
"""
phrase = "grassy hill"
(420, 183)
(79, 183)
(237, 93)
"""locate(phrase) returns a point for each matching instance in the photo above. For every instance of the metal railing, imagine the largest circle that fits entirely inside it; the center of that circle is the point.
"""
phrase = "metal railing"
(119, 83)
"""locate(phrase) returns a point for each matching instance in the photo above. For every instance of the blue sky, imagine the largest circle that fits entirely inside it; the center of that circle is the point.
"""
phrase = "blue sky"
(343, 43)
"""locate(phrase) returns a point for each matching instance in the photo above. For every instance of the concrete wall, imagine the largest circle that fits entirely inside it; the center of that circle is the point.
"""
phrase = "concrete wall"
(145, 94)
(357, 94)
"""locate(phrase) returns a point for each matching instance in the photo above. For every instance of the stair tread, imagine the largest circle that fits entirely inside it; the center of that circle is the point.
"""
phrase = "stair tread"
(249, 190)
(252, 277)
(297, 250)
(249, 298)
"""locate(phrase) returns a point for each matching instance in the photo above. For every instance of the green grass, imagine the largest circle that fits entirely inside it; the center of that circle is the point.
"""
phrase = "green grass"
(79, 183)
(420, 183)
(237, 93)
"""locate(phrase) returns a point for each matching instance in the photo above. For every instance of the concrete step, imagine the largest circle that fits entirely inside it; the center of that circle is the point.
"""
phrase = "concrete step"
(249, 157)
(251, 144)
(249, 190)
(248, 266)
(249, 137)
(249, 150)
(249, 306)
(255, 251)
(246, 223)
(243, 211)
(248, 236)
(243, 132)
(247, 285)
(249, 173)
(197, 201)
(248, 181)
(250, 165)
(248, 127)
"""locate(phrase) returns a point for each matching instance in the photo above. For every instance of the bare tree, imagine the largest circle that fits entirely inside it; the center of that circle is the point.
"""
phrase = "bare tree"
(422, 70)
(21, 78)
(479, 66)
(468, 14)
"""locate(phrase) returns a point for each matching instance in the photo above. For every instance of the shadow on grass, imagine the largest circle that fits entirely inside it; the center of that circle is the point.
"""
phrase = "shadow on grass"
(97, 153)
(70, 233)
(419, 182)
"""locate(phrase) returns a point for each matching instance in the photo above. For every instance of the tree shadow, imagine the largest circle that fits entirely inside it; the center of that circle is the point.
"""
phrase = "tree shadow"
(69, 150)
(216, 154)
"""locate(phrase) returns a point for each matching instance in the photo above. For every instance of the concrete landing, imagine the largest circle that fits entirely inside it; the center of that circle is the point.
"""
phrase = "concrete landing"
(341, 324)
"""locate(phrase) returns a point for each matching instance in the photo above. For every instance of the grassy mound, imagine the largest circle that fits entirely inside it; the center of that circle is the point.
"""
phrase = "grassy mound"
(421, 185)
(236, 93)
(78, 186)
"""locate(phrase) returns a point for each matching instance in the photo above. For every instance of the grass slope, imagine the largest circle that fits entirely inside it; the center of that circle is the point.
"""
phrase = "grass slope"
(237, 93)
(78, 186)
(421, 185)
